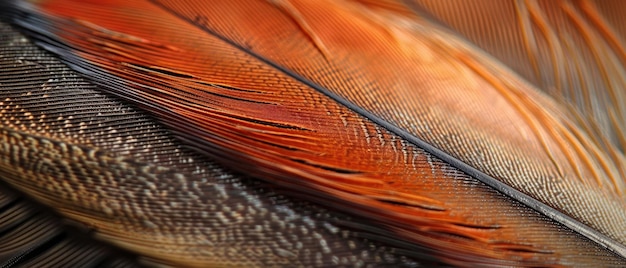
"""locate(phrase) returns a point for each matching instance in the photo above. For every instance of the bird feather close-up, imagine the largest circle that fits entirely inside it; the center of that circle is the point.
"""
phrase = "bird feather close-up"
(312, 133)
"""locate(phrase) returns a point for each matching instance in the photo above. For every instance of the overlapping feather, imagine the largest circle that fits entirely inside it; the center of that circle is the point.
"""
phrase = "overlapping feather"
(369, 108)
(109, 168)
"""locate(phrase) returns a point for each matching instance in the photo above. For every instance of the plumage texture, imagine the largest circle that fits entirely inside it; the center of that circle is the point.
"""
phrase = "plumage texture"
(571, 49)
(139, 184)
(367, 107)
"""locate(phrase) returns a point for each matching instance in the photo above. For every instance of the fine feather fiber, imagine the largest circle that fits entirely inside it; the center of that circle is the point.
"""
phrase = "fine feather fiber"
(58, 129)
(490, 134)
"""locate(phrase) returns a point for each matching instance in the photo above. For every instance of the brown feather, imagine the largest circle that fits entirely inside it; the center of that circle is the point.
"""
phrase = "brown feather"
(256, 85)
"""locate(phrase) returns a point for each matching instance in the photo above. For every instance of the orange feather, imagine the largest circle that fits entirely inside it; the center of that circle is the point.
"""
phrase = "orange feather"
(371, 108)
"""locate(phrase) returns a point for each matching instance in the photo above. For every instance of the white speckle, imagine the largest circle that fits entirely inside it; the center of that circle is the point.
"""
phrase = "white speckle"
(379, 134)
(284, 253)
(323, 243)
(345, 123)
(430, 163)
(365, 132)
(220, 216)
(393, 144)
(108, 211)
(308, 221)
(221, 190)
(149, 224)
(254, 201)
(291, 215)
(331, 228)
(151, 185)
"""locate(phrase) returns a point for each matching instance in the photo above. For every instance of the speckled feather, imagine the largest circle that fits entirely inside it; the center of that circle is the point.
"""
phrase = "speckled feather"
(401, 122)
(121, 176)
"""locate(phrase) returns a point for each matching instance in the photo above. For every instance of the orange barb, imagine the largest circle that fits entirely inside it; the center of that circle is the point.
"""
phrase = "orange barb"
(328, 98)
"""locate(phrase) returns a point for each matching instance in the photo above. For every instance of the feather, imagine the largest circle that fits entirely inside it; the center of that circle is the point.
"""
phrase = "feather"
(143, 184)
(368, 108)
(573, 50)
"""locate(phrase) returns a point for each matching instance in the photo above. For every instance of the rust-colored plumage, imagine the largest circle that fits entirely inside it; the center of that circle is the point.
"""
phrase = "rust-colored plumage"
(375, 109)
